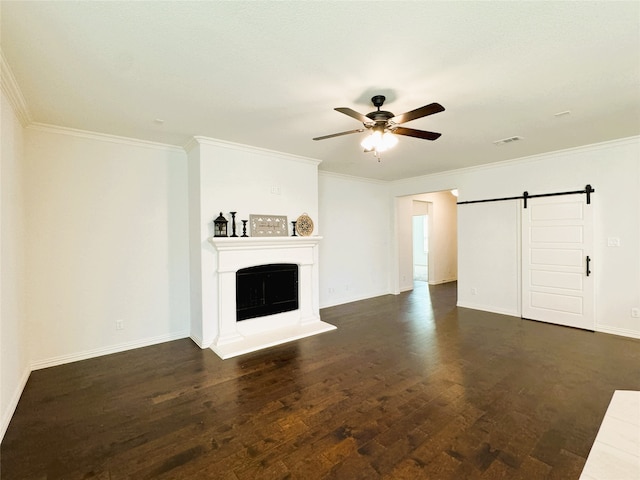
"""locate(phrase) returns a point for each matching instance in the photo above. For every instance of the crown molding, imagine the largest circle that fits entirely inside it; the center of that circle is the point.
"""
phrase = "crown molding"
(12, 90)
(103, 137)
(198, 140)
(353, 178)
(523, 160)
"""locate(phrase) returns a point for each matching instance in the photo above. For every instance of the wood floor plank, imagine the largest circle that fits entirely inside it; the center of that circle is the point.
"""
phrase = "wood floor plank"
(409, 386)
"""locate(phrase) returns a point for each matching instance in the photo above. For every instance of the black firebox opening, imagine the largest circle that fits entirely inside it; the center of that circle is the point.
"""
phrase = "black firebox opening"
(266, 290)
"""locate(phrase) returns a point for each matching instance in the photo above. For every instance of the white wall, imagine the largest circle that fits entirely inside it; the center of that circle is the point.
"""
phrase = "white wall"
(489, 271)
(612, 168)
(107, 242)
(14, 355)
(247, 180)
(355, 215)
(404, 228)
(195, 245)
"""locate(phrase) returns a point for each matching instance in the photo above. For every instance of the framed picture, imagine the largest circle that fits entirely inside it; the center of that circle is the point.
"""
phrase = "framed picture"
(268, 225)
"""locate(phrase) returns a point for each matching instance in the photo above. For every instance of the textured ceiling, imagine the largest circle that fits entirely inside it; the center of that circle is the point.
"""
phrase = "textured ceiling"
(269, 74)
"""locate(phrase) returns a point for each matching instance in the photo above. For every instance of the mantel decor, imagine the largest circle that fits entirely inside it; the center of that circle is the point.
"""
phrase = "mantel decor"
(268, 225)
(304, 225)
(233, 224)
(220, 226)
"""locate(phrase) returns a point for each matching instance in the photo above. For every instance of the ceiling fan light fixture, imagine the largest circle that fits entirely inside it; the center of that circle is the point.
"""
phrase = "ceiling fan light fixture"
(370, 141)
(379, 141)
(389, 140)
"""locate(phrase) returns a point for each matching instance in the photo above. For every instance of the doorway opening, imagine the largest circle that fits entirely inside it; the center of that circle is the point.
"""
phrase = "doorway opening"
(427, 239)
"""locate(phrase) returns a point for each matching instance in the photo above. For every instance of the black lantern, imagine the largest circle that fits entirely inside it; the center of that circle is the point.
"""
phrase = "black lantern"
(220, 226)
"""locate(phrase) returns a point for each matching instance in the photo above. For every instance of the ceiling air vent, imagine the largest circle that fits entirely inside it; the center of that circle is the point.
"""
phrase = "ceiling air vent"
(504, 141)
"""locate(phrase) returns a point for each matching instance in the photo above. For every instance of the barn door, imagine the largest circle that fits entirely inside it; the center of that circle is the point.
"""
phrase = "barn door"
(557, 263)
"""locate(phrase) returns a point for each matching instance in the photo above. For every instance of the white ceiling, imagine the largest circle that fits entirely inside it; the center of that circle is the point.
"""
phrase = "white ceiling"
(269, 74)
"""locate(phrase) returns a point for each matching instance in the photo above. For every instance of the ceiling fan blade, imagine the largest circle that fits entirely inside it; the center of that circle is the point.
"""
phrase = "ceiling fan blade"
(353, 114)
(411, 132)
(417, 113)
(339, 134)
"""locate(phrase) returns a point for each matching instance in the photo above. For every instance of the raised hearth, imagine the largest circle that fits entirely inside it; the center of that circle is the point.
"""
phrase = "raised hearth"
(232, 254)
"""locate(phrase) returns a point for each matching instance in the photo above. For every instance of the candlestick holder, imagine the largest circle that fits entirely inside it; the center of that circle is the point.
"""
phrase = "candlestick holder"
(244, 228)
(293, 224)
(233, 224)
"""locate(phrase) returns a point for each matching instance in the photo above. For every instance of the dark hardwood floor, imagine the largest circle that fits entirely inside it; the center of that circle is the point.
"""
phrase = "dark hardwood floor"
(408, 387)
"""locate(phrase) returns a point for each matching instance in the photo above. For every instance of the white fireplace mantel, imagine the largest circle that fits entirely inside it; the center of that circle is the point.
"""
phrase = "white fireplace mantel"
(232, 254)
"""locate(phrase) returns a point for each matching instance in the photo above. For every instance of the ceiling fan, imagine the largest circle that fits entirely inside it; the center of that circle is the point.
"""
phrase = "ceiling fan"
(384, 125)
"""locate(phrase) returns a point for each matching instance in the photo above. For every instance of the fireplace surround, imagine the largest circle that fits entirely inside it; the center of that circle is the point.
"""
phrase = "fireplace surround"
(233, 254)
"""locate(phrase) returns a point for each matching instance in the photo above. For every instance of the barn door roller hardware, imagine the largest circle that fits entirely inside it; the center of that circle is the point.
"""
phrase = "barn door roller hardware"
(588, 190)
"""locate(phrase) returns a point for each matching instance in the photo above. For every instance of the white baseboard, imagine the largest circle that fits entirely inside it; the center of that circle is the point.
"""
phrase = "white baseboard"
(342, 301)
(490, 309)
(11, 408)
(74, 357)
(622, 332)
(446, 280)
(197, 340)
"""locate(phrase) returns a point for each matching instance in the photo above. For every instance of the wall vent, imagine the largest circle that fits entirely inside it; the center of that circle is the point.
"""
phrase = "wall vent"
(504, 141)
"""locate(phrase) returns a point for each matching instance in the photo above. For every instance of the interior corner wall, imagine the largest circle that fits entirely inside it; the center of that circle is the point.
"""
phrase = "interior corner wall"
(404, 233)
(14, 354)
(246, 180)
(356, 220)
(612, 168)
(195, 245)
(107, 246)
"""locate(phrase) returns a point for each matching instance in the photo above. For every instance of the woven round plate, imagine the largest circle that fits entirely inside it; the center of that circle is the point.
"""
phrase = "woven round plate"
(304, 225)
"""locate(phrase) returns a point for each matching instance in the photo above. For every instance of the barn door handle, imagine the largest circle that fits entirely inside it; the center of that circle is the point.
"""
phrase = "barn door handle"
(588, 263)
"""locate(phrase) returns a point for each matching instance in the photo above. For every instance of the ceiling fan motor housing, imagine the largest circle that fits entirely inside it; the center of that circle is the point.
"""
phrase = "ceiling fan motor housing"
(380, 116)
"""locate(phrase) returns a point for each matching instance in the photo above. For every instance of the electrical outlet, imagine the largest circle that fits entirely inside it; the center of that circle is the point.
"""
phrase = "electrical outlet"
(119, 324)
(275, 190)
(635, 312)
(474, 291)
(613, 242)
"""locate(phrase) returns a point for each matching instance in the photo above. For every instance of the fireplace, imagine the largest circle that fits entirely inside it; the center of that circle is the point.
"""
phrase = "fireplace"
(266, 290)
(251, 255)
